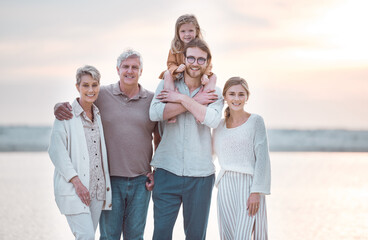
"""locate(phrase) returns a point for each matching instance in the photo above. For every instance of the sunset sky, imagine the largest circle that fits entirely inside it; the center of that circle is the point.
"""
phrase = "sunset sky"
(306, 61)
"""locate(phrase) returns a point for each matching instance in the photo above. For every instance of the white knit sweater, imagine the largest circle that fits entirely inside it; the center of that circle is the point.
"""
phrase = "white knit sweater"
(244, 149)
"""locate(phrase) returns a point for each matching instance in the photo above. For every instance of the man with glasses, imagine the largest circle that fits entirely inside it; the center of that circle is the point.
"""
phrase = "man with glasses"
(183, 160)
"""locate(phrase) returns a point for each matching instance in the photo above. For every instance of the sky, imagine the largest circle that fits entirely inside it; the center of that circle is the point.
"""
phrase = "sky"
(306, 61)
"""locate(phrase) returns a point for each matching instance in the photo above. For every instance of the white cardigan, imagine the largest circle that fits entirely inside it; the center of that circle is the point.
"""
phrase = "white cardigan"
(69, 154)
(244, 149)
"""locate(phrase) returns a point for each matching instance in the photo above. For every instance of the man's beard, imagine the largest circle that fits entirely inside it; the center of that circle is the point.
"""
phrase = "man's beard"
(194, 74)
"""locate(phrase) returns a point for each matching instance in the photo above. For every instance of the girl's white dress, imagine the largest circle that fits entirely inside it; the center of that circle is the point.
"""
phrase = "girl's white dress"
(245, 168)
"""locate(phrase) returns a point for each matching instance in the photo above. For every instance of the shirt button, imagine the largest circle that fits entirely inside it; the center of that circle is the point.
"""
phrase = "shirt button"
(96, 154)
(92, 129)
(94, 141)
(107, 189)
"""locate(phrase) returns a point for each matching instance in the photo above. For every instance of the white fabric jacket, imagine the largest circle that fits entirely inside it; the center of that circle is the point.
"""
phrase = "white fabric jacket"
(69, 154)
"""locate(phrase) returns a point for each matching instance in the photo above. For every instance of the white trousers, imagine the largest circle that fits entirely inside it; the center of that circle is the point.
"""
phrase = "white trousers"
(84, 225)
(233, 216)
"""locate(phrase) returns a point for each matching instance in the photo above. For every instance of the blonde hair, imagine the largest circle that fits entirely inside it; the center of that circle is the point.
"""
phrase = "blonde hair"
(87, 70)
(232, 82)
(176, 44)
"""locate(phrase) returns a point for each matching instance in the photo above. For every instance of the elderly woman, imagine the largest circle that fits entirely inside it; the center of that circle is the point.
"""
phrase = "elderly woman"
(240, 142)
(77, 150)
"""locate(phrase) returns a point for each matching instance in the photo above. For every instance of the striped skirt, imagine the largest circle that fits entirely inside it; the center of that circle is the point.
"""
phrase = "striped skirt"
(233, 217)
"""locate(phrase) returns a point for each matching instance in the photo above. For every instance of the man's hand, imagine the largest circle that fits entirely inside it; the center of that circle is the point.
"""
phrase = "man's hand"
(150, 181)
(205, 97)
(181, 68)
(167, 95)
(63, 111)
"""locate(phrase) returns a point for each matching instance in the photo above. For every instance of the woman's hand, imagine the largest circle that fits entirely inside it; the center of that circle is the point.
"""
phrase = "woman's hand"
(81, 190)
(253, 203)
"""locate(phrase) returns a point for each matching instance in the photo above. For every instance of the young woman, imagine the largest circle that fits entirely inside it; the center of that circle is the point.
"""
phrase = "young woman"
(240, 143)
(77, 149)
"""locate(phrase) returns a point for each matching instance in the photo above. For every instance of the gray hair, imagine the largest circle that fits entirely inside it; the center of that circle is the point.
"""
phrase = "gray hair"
(127, 54)
(88, 70)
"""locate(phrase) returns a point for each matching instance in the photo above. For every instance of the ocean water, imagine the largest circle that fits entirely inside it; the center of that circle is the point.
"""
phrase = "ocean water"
(36, 138)
(314, 196)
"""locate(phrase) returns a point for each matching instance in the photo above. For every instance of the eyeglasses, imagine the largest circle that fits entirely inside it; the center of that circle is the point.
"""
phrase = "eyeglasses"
(200, 60)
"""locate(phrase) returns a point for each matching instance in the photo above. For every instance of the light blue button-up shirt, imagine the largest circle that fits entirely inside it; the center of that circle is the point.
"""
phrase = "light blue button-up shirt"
(185, 148)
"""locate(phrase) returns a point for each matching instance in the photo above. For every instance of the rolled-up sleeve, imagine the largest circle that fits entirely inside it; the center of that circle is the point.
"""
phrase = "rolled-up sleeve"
(214, 111)
(156, 111)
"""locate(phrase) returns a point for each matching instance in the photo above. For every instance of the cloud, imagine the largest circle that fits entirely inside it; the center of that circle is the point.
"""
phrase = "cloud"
(284, 45)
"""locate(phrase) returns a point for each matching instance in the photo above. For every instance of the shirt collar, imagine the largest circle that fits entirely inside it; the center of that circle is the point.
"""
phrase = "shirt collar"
(78, 110)
(141, 94)
(181, 82)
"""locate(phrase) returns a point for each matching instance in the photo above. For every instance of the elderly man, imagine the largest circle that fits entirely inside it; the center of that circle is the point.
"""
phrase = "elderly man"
(124, 108)
(183, 160)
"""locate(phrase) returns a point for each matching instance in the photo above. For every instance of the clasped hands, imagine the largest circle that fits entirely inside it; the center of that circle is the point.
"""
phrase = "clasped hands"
(202, 97)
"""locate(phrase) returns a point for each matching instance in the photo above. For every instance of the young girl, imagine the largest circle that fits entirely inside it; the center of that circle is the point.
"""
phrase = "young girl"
(186, 29)
(240, 142)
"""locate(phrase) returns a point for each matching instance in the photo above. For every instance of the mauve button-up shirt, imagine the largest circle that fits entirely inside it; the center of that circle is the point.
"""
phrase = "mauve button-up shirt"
(185, 148)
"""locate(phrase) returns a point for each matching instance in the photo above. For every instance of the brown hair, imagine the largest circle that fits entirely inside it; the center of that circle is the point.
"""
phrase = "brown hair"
(232, 82)
(201, 44)
(176, 44)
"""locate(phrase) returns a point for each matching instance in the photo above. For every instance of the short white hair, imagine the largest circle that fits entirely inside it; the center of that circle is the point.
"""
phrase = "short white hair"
(127, 54)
